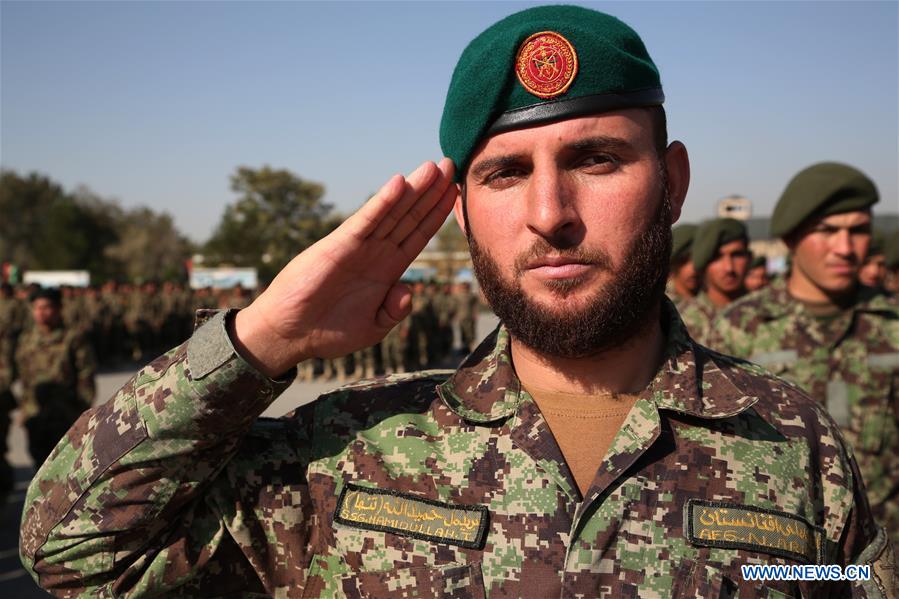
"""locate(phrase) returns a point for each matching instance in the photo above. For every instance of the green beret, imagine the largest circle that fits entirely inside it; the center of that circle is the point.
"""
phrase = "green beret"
(822, 190)
(758, 261)
(711, 235)
(682, 241)
(542, 65)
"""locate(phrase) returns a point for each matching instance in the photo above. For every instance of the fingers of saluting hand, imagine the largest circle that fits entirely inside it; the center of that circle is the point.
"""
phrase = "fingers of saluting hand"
(401, 203)
(422, 193)
(418, 238)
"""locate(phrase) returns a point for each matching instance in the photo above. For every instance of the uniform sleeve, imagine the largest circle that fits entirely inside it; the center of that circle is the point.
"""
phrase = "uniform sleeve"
(119, 508)
(864, 542)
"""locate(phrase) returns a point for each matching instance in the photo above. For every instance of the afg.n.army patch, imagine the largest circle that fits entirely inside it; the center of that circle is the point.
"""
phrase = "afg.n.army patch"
(398, 513)
(735, 526)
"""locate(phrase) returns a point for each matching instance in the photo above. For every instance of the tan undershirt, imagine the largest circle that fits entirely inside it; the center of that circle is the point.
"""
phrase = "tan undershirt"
(584, 426)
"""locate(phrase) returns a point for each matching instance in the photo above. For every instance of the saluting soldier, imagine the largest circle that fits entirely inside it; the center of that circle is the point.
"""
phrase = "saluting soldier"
(721, 257)
(820, 329)
(588, 447)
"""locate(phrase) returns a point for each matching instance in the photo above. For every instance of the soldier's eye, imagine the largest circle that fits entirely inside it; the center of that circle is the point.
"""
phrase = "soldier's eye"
(599, 161)
(504, 174)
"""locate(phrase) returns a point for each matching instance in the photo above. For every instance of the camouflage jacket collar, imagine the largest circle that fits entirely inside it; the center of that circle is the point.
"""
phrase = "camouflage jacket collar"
(485, 387)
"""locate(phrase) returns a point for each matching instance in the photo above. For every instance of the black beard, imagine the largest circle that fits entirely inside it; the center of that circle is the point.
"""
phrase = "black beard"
(618, 311)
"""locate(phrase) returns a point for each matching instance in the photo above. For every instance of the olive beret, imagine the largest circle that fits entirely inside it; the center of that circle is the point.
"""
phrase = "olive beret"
(758, 261)
(52, 294)
(711, 235)
(892, 250)
(541, 65)
(877, 246)
(682, 241)
(822, 190)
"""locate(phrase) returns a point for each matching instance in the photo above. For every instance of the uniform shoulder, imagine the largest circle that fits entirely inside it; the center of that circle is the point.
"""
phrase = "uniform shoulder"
(76, 336)
(375, 398)
(779, 401)
(752, 303)
(882, 302)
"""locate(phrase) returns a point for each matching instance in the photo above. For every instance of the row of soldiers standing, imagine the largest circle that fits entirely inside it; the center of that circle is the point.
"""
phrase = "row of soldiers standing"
(53, 340)
(123, 322)
(424, 339)
(829, 324)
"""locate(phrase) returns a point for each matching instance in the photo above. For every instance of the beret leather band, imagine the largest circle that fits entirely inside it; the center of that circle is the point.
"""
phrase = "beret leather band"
(557, 110)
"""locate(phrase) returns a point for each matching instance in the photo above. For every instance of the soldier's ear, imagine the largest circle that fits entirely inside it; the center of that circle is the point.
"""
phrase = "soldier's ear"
(677, 165)
(460, 210)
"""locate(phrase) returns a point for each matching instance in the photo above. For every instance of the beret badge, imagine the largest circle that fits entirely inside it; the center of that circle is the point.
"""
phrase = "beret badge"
(546, 64)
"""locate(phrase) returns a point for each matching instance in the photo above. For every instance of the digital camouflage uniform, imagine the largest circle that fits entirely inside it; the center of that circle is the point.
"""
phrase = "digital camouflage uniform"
(423, 485)
(57, 373)
(698, 313)
(850, 364)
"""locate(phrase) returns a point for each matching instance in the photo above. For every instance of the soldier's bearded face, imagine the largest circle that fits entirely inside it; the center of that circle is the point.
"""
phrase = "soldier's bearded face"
(570, 232)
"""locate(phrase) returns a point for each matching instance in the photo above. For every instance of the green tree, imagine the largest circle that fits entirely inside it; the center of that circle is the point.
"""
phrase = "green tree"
(43, 227)
(25, 202)
(150, 247)
(276, 216)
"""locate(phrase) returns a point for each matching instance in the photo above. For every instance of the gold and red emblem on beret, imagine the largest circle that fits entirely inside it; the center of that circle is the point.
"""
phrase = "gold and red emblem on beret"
(546, 64)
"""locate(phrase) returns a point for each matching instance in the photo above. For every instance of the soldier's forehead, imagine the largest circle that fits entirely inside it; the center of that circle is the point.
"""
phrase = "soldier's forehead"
(845, 219)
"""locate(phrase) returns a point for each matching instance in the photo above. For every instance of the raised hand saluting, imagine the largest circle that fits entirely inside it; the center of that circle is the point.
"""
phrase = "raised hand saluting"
(343, 293)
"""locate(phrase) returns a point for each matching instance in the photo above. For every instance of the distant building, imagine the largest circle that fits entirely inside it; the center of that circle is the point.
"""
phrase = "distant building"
(736, 207)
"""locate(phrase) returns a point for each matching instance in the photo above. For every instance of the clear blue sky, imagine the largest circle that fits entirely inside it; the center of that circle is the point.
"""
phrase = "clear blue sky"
(156, 103)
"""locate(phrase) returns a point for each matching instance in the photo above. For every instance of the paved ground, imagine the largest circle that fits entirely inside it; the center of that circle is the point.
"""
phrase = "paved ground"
(14, 581)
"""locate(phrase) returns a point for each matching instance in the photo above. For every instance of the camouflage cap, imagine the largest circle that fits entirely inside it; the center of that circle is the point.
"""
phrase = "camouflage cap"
(682, 241)
(711, 235)
(822, 189)
(758, 261)
(541, 65)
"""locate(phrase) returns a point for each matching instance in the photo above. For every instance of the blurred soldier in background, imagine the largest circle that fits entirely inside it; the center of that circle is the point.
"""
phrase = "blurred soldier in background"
(420, 325)
(820, 329)
(683, 281)
(892, 263)
(873, 271)
(468, 304)
(757, 275)
(238, 298)
(11, 323)
(445, 310)
(721, 255)
(56, 366)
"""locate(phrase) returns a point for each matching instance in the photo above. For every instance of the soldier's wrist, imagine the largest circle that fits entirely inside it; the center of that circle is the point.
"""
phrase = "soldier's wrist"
(262, 349)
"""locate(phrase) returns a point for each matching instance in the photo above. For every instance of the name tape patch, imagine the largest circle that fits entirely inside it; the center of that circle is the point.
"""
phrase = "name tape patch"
(390, 511)
(734, 526)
